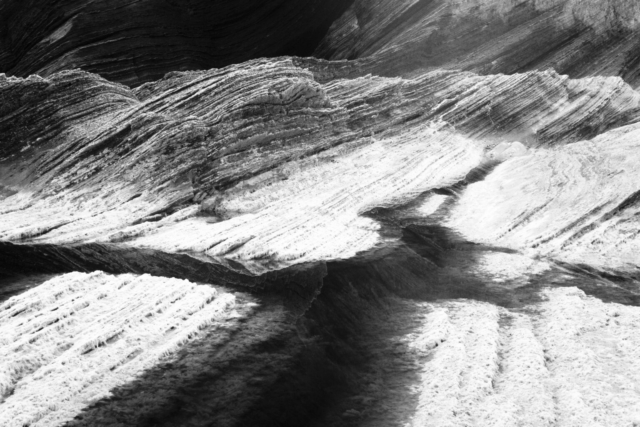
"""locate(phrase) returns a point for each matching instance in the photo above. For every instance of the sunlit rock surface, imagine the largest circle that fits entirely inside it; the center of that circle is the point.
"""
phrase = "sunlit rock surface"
(219, 162)
(391, 233)
(134, 42)
(577, 203)
(69, 341)
(569, 360)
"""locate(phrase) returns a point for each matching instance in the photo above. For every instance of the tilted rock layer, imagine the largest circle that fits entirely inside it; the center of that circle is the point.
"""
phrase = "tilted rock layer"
(219, 158)
(580, 38)
(523, 203)
(138, 41)
(426, 241)
(69, 341)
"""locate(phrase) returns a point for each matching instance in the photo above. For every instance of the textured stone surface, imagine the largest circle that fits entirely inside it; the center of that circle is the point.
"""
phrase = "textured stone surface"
(399, 237)
(577, 203)
(137, 41)
(580, 38)
(70, 340)
(211, 162)
(570, 360)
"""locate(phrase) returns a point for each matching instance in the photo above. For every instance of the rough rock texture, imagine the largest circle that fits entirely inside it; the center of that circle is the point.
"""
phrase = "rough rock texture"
(97, 349)
(570, 360)
(398, 237)
(70, 340)
(219, 158)
(137, 41)
(528, 210)
(576, 37)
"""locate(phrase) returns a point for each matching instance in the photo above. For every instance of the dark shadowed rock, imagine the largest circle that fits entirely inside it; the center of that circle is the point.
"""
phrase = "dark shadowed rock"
(212, 162)
(133, 42)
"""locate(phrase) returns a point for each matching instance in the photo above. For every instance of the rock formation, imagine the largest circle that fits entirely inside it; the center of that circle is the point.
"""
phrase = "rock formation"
(138, 167)
(133, 42)
(77, 336)
(431, 222)
(575, 37)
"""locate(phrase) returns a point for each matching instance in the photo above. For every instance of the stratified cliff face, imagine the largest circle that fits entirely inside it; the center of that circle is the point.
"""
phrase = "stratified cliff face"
(138, 41)
(578, 38)
(388, 234)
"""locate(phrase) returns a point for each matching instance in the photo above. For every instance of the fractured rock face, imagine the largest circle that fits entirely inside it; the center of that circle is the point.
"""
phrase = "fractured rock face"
(555, 365)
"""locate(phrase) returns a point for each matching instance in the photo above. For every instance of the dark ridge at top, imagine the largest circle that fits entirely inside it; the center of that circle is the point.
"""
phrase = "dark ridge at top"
(579, 38)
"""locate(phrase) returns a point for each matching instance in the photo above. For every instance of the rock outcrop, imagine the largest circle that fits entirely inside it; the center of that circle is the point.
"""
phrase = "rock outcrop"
(432, 222)
(579, 38)
(595, 178)
(75, 337)
(492, 367)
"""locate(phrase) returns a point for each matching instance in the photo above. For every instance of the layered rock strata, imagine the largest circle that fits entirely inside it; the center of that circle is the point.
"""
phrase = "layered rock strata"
(550, 366)
(391, 235)
(595, 178)
(134, 42)
(579, 38)
(72, 339)
(219, 158)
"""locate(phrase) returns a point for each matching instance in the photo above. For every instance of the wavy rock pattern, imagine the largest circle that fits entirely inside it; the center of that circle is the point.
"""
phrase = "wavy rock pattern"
(134, 42)
(488, 366)
(115, 165)
(418, 233)
(500, 36)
